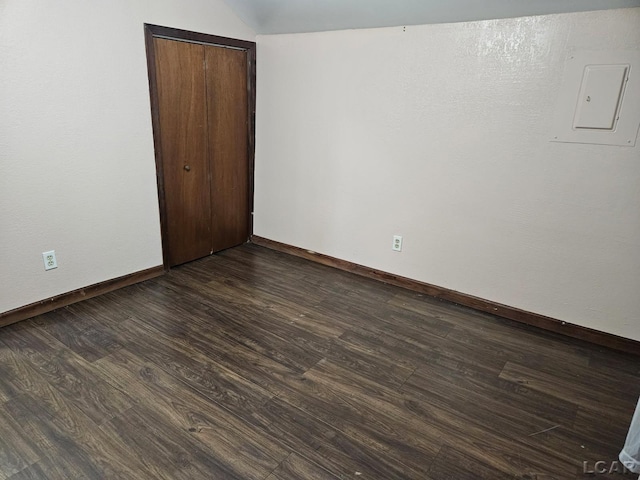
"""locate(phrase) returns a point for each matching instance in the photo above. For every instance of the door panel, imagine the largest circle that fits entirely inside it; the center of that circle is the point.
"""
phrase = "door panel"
(228, 152)
(184, 143)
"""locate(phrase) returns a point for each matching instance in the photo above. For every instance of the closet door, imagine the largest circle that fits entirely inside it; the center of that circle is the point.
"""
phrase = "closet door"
(202, 106)
(182, 112)
(227, 104)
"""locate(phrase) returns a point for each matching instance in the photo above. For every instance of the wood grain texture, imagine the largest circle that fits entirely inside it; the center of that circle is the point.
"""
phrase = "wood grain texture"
(571, 389)
(451, 464)
(296, 467)
(229, 147)
(64, 299)
(184, 140)
(254, 364)
(551, 324)
(198, 37)
(227, 109)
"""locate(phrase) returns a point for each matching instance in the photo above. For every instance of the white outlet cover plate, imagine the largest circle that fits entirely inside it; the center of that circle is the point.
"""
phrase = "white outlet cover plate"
(397, 243)
(625, 132)
(49, 259)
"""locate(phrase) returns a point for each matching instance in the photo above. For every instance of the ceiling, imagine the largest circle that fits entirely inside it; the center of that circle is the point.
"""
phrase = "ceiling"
(294, 16)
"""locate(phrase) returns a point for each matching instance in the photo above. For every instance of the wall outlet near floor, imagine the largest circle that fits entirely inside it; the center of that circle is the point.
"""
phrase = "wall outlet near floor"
(50, 261)
(397, 243)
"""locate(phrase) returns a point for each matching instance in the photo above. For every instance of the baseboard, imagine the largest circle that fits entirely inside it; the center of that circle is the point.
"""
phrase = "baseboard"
(576, 331)
(44, 306)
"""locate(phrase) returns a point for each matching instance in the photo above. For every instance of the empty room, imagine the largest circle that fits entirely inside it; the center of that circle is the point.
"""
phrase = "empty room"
(319, 239)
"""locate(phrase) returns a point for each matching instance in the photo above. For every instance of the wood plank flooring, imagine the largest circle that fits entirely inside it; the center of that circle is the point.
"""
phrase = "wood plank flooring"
(252, 364)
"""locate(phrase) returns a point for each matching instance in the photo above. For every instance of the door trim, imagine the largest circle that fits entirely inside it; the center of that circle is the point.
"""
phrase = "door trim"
(156, 31)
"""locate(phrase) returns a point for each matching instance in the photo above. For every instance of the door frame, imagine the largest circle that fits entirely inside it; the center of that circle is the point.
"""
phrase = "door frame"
(156, 31)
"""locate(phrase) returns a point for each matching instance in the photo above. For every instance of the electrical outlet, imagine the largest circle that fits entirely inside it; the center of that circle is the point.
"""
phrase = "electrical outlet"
(50, 261)
(397, 243)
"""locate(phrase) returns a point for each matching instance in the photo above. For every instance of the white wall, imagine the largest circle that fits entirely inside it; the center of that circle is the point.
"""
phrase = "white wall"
(77, 170)
(440, 134)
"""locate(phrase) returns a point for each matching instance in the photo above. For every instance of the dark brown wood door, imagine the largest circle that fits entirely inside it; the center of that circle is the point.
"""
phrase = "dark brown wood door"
(182, 99)
(203, 125)
(228, 125)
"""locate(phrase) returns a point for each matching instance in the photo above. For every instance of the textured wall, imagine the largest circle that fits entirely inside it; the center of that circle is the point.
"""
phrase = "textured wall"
(295, 16)
(77, 170)
(441, 133)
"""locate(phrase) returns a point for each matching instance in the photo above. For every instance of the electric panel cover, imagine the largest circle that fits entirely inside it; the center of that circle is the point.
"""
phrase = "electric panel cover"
(599, 98)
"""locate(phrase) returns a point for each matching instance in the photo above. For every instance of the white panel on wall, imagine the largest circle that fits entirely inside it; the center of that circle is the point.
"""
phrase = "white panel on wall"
(599, 100)
(600, 95)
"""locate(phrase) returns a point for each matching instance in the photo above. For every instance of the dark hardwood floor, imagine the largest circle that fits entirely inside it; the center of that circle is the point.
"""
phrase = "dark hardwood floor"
(252, 364)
